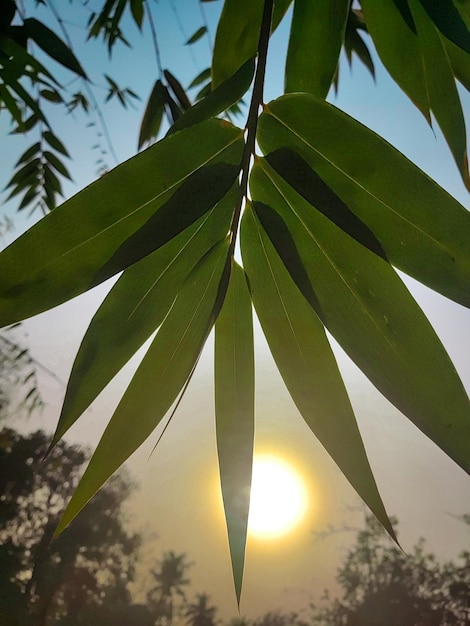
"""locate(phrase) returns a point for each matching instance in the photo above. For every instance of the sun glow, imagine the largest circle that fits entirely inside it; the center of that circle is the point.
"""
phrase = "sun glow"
(278, 498)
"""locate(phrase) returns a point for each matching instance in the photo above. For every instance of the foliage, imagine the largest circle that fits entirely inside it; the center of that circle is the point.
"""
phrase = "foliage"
(85, 571)
(18, 377)
(382, 586)
(323, 217)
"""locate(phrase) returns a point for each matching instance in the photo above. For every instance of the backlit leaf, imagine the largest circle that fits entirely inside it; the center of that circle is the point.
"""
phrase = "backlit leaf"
(443, 96)
(299, 345)
(135, 307)
(367, 308)
(236, 38)
(146, 201)
(397, 45)
(234, 409)
(315, 41)
(217, 101)
(421, 228)
(159, 378)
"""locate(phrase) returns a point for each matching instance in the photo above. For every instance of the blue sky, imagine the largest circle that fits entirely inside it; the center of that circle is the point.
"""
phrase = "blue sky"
(420, 485)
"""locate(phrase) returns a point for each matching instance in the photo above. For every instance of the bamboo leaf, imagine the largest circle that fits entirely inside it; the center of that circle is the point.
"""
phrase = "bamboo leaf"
(315, 42)
(200, 32)
(447, 19)
(217, 101)
(153, 114)
(52, 45)
(178, 90)
(234, 409)
(84, 241)
(236, 39)
(279, 10)
(160, 377)
(299, 345)
(397, 44)
(135, 307)
(421, 228)
(369, 311)
(443, 96)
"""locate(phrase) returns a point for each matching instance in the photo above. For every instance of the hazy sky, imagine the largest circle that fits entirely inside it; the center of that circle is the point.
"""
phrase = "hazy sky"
(179, 498)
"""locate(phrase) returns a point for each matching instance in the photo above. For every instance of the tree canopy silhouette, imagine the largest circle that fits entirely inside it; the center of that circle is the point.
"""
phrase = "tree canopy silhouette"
(86, 571)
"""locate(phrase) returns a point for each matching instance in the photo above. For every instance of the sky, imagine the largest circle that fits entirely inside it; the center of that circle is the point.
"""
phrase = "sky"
(178, 499)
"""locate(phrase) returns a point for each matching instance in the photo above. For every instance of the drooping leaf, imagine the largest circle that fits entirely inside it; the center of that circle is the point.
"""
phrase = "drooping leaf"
(234, 410)
(447, 19)
(52, 45)
(55, 143)
(56, 164)
(200, 32)
(135, 307)
(397, 44)
(369, 311)
(236, 39)
(217, 101)
(153, 114)
(442, 90)
(178, 90)
(279, 10)
(201, 78)
(28, 154)
(137, 10)
(64, 254)
(421, 228)
(159, 378)
(299, 345)
(315, 42)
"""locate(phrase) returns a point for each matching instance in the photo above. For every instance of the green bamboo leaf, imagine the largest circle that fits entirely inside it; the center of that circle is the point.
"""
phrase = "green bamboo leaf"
(178, 90)
(315, 42)
(11, 104)
(395, 39)
(460, 62)
(52, 45)
(422, 229)
(236, 39)
(447, 19)
(56, 164)
(234, 409)
(217, 101)
(443, 96)
(369, 311)
(28, 154)
(153, 114)
(55, 143)
(201, 78)
(303, 355)
(135, 307)
(146, 201)
(200, 32)
(159, 379)
(137, 10)
(279, 10)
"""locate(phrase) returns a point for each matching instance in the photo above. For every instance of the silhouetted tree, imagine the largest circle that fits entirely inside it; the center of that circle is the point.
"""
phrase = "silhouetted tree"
(382, 586)
(200, 613)
(167, 598)
(88, 567)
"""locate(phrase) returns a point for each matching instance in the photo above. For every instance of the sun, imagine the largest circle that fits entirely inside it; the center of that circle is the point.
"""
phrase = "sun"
(278, 498)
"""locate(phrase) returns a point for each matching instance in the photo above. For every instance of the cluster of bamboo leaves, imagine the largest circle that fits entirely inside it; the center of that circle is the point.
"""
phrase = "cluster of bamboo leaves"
(324, 215)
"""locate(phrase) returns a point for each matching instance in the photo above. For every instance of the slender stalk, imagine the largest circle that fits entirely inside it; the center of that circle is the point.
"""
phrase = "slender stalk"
(158, 57)
(252, 120)
(91, 95)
